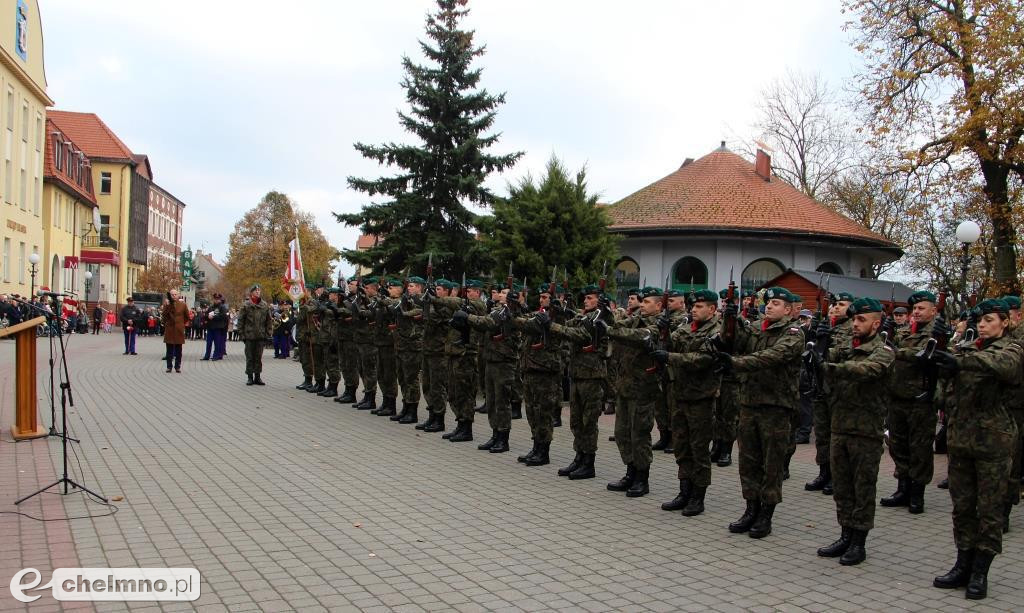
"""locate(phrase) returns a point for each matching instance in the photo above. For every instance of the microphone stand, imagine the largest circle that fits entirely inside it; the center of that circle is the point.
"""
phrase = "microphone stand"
(51, 329)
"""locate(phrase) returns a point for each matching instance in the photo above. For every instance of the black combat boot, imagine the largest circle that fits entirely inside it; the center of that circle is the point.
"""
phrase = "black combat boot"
(248, 379)
(482, 408)
(828, 490)
(400, 414)
(785, 467)
(500, 445)
(726, 458)
(564, 472)
(696, 504)
(556, 419)
(411, 413)
(306, 382)
(530, 454)
(838, 547)
(664, 440)
(683, 497)
(1007, 509)
(855, 553)
(640, 486)
(330, 392)
(915, 503)
(463, 434)
(625, 482)
(387, 406)
(716, 450)
(747, 519)
(256, 379)
(486, 445)
(960, 574)
(944, 484)
(763, 524)
(437, 426)
(316, 389)
(977, 587)
(586, 468)
(541, 457)
(818, 483)
(428, 421)
(456, 430)
(369, 402)
(348, 396)
(899, 498)
(517, 410)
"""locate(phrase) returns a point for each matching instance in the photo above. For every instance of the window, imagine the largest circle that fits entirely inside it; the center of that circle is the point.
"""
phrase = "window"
(627, 277)
(55, 208)
(104, 182)
(39, 131)
(24, 121)
(759, 272)
(10, 109)
(830, 268)
(7, 260)
(23, 190)
(8, 178)
(689, 273)
(21, 262)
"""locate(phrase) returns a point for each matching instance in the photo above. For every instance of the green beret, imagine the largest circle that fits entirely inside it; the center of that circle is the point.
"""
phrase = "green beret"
(922, 296)
(394, 282)
(254, 287)
(475, 283)
(651, 291)
(369, 280)
(334, 290)
(704, 295)
(673, 293)
(992, 305)
(723, 293)
(845, 296)
(560, 290)
(864, 305)
(634, 292)
(591, 289)
(1011, 301)
(445, 283)
(419, 280)
(780, 293)
(312, 286)
(749, 293)
(353, 279)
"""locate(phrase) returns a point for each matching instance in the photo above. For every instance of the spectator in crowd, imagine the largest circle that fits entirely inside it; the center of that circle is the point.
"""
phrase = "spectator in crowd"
(97, 319)
(174, 317)
(216, 328)
(130, 317)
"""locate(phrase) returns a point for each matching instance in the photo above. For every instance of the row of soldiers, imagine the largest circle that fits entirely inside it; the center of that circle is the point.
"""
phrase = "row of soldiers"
(707, 375)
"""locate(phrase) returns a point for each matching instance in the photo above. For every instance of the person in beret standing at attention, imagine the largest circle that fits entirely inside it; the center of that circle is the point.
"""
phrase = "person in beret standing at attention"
(255, 327)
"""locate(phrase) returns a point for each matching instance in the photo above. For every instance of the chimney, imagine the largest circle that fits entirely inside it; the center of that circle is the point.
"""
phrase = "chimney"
(687, 162)
(763, 165)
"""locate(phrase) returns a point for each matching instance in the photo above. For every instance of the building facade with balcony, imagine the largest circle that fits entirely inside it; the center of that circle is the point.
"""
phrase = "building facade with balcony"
(23, 102)
(69, 211)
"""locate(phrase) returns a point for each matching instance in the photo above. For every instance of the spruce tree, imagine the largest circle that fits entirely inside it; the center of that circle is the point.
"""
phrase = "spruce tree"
(423, 208)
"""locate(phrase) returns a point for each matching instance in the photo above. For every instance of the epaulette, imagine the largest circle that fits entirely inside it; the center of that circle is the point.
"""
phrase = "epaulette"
(795, 330)
(886, 345)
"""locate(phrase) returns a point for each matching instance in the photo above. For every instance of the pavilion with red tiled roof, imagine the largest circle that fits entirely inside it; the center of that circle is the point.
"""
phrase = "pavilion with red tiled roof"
(723, 213)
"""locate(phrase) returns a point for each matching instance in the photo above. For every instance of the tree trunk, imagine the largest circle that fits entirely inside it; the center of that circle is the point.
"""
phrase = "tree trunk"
(1004, 236)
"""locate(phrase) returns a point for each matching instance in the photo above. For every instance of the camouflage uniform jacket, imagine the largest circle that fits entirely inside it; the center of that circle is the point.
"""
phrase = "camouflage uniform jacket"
(855, 372)
(586, 360)
(453, 344)
(907, 381)
(979, 389)
(542, 351)
(361, 332)
(769, 359)
(633, 338)
(1015, 395)
(301, 320)
(503, 339)
(694, 379)
(254, 321)
(381, 320)
(409, 321)
(327, 312)
(435, 328)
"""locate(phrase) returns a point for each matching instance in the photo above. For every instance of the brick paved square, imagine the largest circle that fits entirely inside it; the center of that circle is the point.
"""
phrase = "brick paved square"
(285, 501)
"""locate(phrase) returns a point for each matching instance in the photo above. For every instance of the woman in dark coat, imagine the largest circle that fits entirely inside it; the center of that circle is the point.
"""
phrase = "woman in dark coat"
(174, 318)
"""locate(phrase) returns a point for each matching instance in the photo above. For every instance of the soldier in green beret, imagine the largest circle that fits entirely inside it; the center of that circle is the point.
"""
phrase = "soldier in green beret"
(255, 325)
(855, 371)
(671, 318)
(303, 339)
(462, 345)
(1015, 405)
(385, 338)
(436, 364)
(328, 339)
(768, 354)
(982, 434)
(407, 314)
(693, 401)
(727, 410)
(363, 326)
(911, 421)
(348, 355)
(317, 340)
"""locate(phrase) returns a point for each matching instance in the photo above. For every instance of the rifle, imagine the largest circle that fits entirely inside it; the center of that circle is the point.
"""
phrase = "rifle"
(464, 333)
(729, 324)
(595, 341)
(887, 320)
(971, 331)
(430, 283)
(810, 383)
(937, 342)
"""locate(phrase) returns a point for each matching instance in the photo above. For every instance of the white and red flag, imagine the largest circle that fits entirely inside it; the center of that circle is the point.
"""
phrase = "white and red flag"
(294, 277)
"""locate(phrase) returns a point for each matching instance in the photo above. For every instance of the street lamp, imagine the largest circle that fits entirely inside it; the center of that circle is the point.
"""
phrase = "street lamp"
(967, 233)
(33, 259)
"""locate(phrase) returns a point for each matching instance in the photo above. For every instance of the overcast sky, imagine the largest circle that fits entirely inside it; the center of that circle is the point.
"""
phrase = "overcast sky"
(231, 99)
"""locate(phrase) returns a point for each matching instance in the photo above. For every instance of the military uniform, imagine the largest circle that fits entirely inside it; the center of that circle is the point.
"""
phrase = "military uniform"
(982, 434)
(348, 356)
(461, 347)
(303, 340)
(317, 342)
(855, 371)
(541, 365)
(663, 411)
(841, 336)
(769, 359)
(436, 363)
(1015, 405)
(384, 328)
(409, 332)
(327, 340)
(501, 354)
(254, 328)
(363, 335)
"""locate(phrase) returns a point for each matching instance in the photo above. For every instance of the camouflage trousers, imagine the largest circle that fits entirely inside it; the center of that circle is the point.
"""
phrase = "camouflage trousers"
(387, 370)
(410, 361)
(911, 436)
(500, 378)
(435, 382)
(1013, 485)
(634, 417)
(764, 438)
(692, 425)
(854, 462)
(332, 363)
(980, 456)
(305, 353)
(481, 377)
(727, 412)
(253, 357)
(368, 366)
(822, 417)
(319, 362)
(586, 400)
(515, 390)
(663, 409)
(542, 394)
(462, 386)
(349, 358)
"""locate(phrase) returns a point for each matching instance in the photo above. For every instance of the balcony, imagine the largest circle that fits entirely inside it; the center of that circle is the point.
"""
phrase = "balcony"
(94, 241)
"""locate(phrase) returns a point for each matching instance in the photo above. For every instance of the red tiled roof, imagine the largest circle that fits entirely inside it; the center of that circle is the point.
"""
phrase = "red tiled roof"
(365, 241)
(722, 191)
(83, 186)
(92, 135)
(142, 165)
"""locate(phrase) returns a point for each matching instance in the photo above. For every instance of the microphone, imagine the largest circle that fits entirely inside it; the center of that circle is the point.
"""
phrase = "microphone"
(42, 293)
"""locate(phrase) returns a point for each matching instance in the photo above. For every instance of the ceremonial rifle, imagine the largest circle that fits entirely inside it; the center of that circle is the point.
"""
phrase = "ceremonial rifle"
(595, 335)
(937, 342)
(971, 331)
(729, 323)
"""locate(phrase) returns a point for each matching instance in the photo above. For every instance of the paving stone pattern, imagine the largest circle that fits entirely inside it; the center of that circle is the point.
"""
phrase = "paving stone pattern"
(289, 502)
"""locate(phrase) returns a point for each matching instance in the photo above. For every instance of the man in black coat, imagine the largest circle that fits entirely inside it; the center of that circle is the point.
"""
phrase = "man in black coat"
(131, 316)
(216, 328)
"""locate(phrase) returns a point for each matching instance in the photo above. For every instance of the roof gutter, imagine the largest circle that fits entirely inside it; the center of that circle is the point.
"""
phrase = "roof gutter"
(814, 238)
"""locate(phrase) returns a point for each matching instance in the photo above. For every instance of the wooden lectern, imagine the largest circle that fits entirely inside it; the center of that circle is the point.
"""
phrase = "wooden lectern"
(26, 423)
